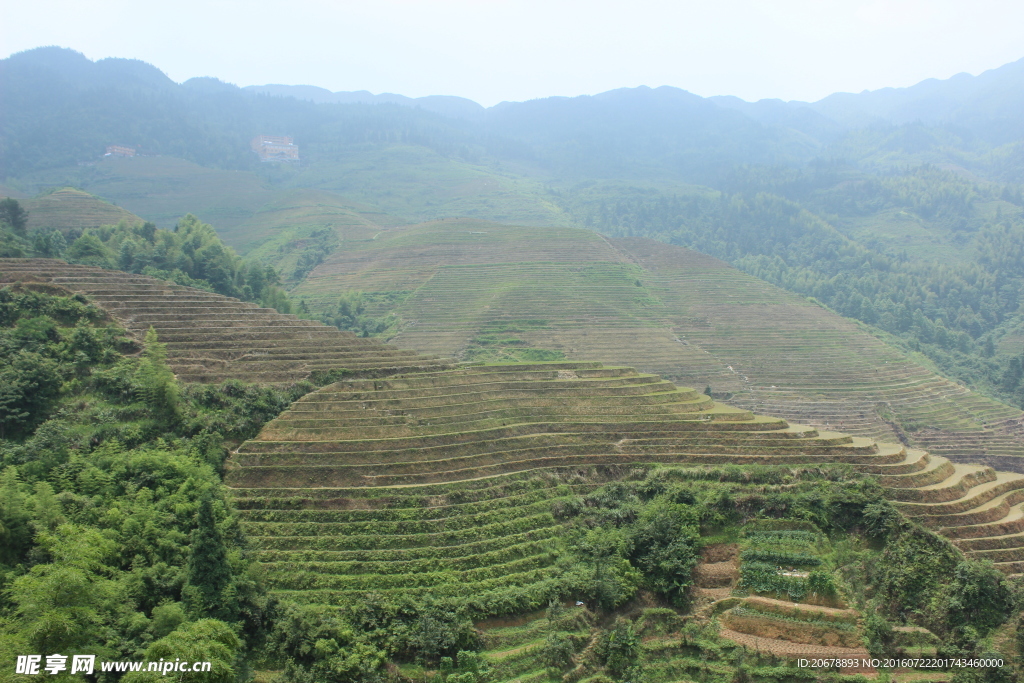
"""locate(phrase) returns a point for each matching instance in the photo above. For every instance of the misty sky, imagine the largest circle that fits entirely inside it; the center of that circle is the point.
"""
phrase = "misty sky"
(494, 50)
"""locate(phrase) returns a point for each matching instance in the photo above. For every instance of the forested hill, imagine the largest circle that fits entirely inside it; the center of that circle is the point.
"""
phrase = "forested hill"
(60, 108)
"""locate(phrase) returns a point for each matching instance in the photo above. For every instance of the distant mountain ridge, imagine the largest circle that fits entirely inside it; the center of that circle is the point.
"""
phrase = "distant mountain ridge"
(59, 108)
(445, 105)
(989, 104)
(932, 101)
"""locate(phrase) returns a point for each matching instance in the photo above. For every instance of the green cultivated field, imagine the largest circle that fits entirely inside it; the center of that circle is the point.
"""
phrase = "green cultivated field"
(412, 477)
(452, 484)
(70, 209)
(481, 291)
(530, 437)
(212, 338)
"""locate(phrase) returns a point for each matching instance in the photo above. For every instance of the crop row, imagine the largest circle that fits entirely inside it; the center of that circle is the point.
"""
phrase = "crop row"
(717, 423)
(320, 539)
(407, 561)
(779, 557)
(427, 495)
(807, 632)
(309, 476)
(519, 502)
(760, 577)
(316, 522)
(767, 535)
(808, 618)
(299, 579)
(537, 586)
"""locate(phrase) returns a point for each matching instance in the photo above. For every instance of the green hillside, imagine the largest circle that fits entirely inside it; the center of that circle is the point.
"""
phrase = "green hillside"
(160, 188)
(388, 184)
(926, 255)
(68, 209)
(280, 230)
(508, 520)
(210, 338)
(417, 183)
(899, 208)
(483, 291)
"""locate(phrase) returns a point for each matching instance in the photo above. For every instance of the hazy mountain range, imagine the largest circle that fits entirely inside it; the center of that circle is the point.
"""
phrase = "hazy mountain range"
(59, 108)
(993, 97)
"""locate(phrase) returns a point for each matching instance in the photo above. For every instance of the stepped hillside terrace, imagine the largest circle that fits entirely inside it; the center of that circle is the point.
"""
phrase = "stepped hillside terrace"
(463, 288)
(356, 448)
(449, 483)
(69, 209)
(211, 338)
(423, 477)
(799, 360)
(433, 424)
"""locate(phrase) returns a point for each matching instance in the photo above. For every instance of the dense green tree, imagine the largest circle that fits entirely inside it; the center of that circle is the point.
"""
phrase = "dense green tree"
(605, 574)
(64, 604)
(978, 597)
(15, 518)
(664, 544)
(209, 573)
(559, 648)
(879, 636)
(319, 646)
(205, 640)
(620, 647)
(442, 628)
(350, 314)
(13, 215)
(89, 251)
(29, 384)
(158, 387)
(99, 502)
(192, 254)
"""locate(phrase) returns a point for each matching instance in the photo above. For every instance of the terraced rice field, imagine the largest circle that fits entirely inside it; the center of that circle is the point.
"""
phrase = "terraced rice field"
(800, 361)
(468, 286)
(428, 481)
(423, 477)
(789, 627)
(211, 338)
(414, 423)
(448, 483)
(70, 209)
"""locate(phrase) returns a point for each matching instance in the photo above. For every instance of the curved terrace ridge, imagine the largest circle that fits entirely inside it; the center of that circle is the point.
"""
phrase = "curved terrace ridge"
(432, 479)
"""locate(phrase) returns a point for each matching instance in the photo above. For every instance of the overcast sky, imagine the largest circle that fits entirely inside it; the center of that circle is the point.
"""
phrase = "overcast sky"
(494, 50)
